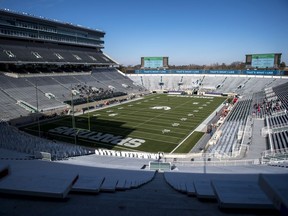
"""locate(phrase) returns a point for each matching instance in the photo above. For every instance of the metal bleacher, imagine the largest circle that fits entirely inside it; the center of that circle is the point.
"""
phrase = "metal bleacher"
(277, 121)
(116, 79)
(279, 141)
(237, 118)
(33, 145)
(22, 89)
(56, 180)
(43, 53)
(59, 88)
(281, 91)
(234, 190)
(7, 104)
(227, 84)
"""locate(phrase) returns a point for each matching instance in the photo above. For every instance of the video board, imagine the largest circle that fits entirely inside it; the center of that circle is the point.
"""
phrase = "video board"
(263, 60)
(154, 62)
(270, 60)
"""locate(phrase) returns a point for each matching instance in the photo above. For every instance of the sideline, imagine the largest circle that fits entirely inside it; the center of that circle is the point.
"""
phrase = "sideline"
(200, 125)
(182, 142)
(107, 106)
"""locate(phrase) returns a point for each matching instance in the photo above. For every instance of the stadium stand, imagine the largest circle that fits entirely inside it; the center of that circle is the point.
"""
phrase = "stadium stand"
(206, 83)
(9, 109)
(54, 91)
(227, 143)
(64, 64)
(281, 92)
(32, 145)
(272, 104)
(277, 121)
(24, 90)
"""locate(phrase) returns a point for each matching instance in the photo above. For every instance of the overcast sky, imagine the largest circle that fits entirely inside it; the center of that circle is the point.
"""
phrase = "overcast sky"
(187, 31)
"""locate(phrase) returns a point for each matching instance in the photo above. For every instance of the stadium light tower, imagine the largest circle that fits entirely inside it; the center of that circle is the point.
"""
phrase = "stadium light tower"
(37, 107)
(89, 127)
(76, 135)
(72, 104)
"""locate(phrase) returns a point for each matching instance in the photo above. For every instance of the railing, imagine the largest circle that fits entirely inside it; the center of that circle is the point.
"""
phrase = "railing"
(273, 153)
(280, 128)
(218, 163)
(269, 135)
(27, 106)
(238, 148)
(17, 75)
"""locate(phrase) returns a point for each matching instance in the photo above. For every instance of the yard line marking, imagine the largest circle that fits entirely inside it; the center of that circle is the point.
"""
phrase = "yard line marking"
(159, 115)
(182, 141)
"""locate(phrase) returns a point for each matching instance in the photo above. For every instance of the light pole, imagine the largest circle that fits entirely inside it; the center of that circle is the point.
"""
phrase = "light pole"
(204, 167)
(72, 104)
(76, 134)
(89, 127)
(37, 107)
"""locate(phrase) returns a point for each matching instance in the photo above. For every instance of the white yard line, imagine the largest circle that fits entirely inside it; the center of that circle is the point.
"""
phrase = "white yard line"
(204, 122)
(158, 115)
(182, 141)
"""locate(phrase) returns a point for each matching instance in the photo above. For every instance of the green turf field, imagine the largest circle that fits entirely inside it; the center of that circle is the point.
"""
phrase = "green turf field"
(152, 124)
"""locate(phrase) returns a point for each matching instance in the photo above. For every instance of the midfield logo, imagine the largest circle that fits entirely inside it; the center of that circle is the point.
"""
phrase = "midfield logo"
(161, 107)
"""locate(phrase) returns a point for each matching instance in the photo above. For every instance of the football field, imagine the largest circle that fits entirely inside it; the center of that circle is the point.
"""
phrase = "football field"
(155, 123)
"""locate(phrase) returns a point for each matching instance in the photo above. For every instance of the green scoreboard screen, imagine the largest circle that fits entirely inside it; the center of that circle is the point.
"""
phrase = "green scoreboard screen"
(263, 60)
(154, 62)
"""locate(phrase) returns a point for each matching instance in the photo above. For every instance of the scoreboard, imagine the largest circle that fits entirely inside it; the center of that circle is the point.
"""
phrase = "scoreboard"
(154, 62)
(270, 60)
(263, 60)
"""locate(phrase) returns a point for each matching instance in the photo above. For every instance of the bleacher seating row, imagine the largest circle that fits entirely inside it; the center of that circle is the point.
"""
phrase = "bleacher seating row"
(232, 191)
(255, 190)
(281, 163)
(217, 84)
(58, 88)
(237, 118)
(56, 180)
(32, 145)
(281, 92)
(240, 111)
(227, 142)
(43, 53)
(277, 121)
(280, 141)
(271, 101)
(13, 139)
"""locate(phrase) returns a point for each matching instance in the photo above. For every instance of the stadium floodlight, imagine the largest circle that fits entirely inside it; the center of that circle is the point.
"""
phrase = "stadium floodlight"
(88, 113)
(37, 107)
(72, 104)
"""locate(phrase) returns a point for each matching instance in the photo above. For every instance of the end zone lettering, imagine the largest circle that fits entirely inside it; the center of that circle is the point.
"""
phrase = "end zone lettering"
(98, 136)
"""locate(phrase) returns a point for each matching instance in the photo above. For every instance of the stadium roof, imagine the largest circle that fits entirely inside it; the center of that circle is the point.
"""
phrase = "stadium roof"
(47, 20)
